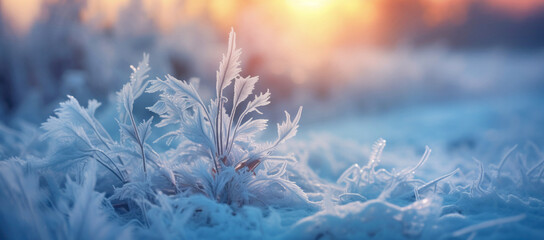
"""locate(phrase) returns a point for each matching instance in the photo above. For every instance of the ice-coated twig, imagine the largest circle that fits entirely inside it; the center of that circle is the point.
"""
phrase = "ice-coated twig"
(504, 158)
(487, 224)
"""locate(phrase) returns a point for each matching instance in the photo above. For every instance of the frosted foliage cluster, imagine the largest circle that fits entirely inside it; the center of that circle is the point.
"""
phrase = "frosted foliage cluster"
(195, 170)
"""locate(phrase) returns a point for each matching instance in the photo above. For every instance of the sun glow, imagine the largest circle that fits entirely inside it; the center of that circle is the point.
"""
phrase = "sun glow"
(21, 22)
(287, 37)
(224, 13)
(308, 5)
(310, 30)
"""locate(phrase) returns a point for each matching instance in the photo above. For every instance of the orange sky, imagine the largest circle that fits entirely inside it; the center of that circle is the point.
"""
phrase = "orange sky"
(304, 32)
(223, 12)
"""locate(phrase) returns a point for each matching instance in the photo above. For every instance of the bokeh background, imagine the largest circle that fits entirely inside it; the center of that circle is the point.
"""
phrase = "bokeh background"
(454, 74)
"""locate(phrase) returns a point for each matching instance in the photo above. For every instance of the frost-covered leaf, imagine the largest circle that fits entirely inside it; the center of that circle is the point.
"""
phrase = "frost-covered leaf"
(288, 128)
(143, 131)
(174, 87)
(250, 128)
(78, 136)
(229, 67)
(69, 114)
(260, 100)
(243, 87)
(139, 76)
(133, 89)
(196, 130)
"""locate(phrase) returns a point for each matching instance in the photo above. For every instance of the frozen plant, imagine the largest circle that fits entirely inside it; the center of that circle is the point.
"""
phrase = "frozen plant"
(382, 184)
(79, 136)
(216, 154)
(226, 163)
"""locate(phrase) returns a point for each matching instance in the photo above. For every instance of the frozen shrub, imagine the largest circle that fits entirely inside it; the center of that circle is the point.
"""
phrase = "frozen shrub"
(216, 155)
(226, 163)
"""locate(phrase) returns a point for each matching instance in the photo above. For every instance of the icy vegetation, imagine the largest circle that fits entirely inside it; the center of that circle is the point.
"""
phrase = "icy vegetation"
(197, 170)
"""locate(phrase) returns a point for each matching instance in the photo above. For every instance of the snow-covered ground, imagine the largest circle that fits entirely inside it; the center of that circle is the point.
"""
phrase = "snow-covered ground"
(362, 175)
(494, 143)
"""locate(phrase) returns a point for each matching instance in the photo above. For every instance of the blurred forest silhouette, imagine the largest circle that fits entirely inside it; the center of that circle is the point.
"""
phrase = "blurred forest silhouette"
(346, 55)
